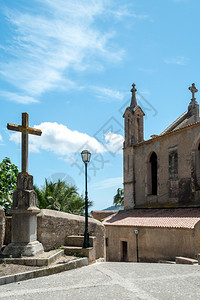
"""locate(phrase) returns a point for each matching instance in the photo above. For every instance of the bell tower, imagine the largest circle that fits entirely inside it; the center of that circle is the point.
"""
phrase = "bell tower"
(133, 116)
(134, 134)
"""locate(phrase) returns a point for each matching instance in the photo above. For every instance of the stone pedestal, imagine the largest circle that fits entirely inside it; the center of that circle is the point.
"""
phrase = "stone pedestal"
(24, 219)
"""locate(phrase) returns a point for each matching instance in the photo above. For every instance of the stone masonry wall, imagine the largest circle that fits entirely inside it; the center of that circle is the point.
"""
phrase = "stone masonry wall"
(55, 226)
(154, 244)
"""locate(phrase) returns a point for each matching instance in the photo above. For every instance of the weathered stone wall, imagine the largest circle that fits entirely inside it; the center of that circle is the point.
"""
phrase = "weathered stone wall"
(154, 244)
(177, 183)
(2, 227)
(55, 226)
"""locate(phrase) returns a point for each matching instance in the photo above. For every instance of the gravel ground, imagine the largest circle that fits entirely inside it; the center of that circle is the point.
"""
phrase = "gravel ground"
(9, 269)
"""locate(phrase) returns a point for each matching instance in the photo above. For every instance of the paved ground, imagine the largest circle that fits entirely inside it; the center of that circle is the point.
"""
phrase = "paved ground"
(112, 281)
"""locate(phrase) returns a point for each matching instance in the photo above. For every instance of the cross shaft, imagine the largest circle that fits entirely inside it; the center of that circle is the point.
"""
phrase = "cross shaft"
(25, 130)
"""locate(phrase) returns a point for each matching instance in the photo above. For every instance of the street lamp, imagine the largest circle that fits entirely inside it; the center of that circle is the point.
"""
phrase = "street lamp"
(85, 154)
(136, 235)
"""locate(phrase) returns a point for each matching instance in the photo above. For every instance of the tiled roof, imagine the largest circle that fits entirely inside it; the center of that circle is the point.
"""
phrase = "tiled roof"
(168, 218)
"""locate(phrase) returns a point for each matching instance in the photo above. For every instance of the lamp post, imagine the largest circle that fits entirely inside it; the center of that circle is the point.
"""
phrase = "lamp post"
(136, 235)
(85, 154)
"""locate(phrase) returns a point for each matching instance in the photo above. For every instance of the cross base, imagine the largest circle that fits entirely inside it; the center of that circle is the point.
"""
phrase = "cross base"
(23, 249)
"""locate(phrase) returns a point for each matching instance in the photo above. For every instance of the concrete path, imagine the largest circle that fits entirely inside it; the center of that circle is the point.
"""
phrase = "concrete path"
(112, 281)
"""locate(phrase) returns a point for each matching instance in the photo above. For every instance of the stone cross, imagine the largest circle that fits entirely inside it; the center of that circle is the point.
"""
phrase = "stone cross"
(193, 90)
(25, 130)
(133, 99)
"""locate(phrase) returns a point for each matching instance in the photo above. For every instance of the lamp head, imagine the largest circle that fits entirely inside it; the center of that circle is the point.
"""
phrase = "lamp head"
(136, 231)
(85, 154)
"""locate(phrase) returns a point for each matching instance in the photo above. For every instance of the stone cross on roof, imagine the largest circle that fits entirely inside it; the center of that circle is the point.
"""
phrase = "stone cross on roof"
(133, 99)
(25, 130)
(193, 90)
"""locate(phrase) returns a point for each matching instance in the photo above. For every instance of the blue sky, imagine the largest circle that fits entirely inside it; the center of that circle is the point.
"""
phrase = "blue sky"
(71, 64)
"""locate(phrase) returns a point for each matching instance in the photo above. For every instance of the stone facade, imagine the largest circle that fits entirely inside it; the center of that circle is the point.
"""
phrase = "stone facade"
(154, 244)
(165, 170)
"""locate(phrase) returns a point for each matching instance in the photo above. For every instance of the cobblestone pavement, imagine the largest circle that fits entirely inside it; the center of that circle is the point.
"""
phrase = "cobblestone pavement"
(112, 281)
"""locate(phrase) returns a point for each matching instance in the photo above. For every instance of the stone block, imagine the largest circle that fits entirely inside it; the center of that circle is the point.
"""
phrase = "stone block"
(23, 249)
(24, 229)
(82, 252)
(24, 181)
(24, 199)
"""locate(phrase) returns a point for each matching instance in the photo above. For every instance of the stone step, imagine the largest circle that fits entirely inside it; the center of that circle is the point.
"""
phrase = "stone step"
(43, 259)
(186, 260)
(167, 262)
(81, 252)
(77, 240)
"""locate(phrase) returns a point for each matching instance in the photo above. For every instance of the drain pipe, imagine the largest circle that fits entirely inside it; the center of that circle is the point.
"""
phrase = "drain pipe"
(136, 236)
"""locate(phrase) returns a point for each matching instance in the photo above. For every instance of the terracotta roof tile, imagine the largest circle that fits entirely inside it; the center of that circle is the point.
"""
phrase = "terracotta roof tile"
(170, 218)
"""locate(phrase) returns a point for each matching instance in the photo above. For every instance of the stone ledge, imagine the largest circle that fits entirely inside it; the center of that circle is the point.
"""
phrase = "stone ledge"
(167, 262)
(77, 263)
(78, 240)
(41, 260)
(186, 260)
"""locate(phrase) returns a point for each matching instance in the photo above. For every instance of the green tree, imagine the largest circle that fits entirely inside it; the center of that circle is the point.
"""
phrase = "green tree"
(60, 196)
(8, 182)
(119, 197)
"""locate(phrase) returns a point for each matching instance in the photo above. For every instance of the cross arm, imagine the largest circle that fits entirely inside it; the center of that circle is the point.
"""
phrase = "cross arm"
(34, 131)
(20, 128)
(14, 127)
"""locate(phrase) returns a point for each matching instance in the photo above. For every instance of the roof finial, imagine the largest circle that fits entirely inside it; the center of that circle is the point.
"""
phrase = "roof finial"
(133, 99)
(193, 90)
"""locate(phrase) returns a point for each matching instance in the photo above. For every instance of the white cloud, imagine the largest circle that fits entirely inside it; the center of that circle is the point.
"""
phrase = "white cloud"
(45, 48)
(179, 60)
(108, 183)
(62, 141)
(1, 139)
(18, 98)
(114, 142)
(107, 94)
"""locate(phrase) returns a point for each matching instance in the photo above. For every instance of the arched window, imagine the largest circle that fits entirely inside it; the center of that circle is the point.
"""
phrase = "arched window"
(128, 132)
(153, 174)
(138, 128)
(198, 166)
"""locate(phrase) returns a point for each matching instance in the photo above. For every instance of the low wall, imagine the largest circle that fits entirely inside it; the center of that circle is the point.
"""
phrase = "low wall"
(55, 226)
(2, 227)
(154, 244)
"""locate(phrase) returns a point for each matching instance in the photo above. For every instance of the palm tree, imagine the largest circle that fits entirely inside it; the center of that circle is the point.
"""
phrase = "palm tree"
(119, 197)
(60, 196)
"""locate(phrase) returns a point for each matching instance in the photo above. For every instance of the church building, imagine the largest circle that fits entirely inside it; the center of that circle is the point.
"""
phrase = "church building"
(161, 217)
